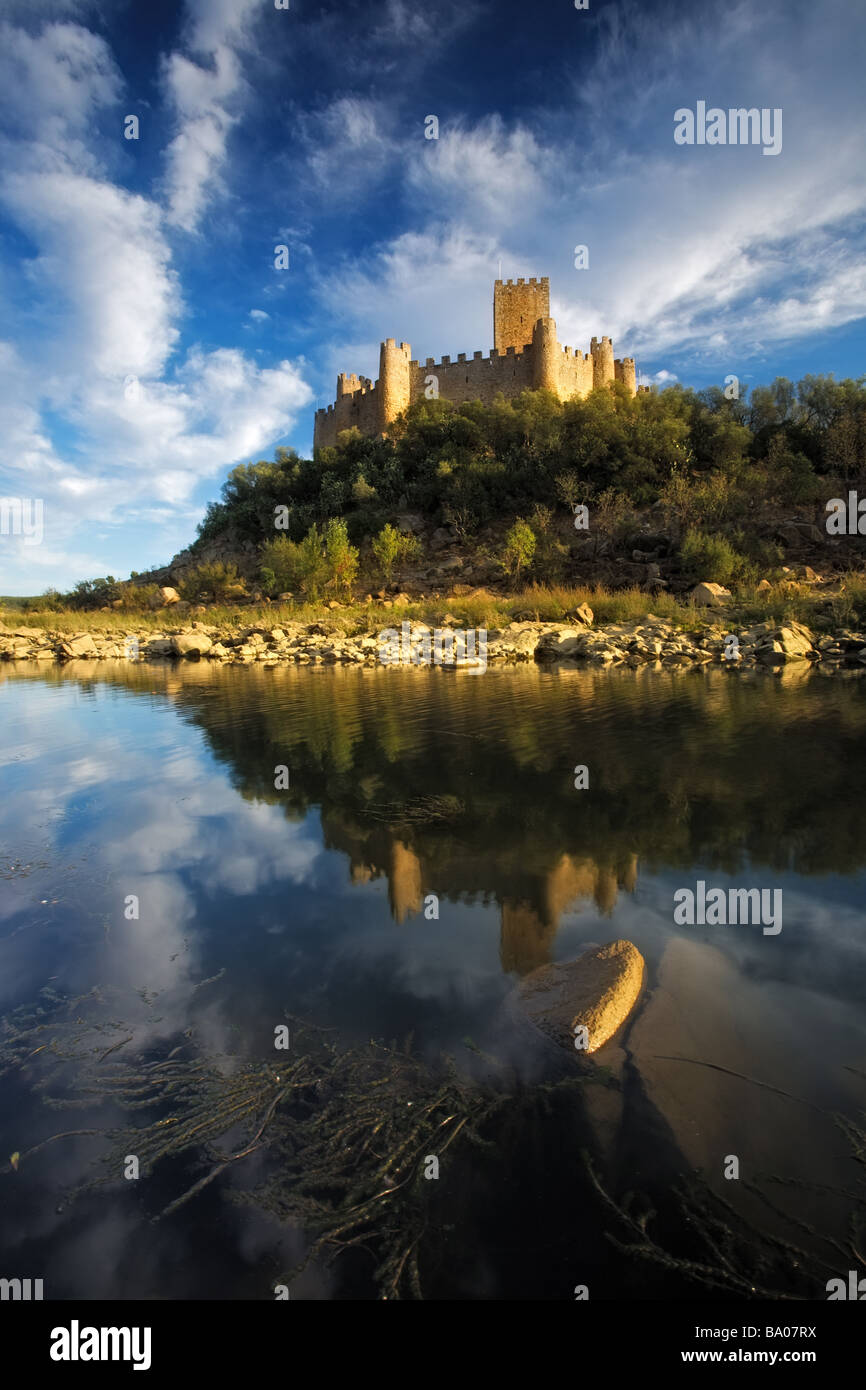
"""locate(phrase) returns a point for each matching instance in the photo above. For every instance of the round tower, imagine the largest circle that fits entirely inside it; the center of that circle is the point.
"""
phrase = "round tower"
(394, 388)
(602, 362)
(545, 356)
(625, 372)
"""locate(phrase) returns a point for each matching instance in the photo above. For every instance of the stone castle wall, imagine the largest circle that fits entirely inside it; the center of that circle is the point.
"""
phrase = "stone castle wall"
(526, 357)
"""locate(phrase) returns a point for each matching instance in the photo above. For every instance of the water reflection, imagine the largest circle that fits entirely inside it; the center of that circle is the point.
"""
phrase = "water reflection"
(157, 784)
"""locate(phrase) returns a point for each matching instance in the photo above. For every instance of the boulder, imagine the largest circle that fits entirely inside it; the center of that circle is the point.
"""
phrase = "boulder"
(597, 991)
(83, 645)
(563, 642)
(582, 614)
(792, 642)
(765, 587)
(709, 595)
(798, 531)
(191, 644)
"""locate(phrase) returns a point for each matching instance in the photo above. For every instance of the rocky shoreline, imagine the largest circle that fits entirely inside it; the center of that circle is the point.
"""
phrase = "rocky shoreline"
(647, 640)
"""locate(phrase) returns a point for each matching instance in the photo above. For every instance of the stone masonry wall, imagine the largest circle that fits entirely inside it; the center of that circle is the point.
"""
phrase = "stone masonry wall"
(516, 310)
(477, 379)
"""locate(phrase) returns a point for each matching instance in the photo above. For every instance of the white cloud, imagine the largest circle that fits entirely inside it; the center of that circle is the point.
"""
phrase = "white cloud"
(53, 84)
(259, 315)
(491, 172)
(195, 155)
(207, 96)
(98, 346)
(433, 290)
(104, 256)
(349, 147)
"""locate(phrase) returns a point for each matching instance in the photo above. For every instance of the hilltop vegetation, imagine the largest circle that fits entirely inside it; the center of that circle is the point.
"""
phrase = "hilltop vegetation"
(707, 470)
(709, 488)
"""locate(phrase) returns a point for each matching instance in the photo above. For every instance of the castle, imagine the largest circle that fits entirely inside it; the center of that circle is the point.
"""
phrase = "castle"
(525, 356)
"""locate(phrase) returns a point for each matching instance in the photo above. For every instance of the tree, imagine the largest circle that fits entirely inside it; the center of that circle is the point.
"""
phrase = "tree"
(391, 547)
(846, 445)
(342, 558)
(519, 548)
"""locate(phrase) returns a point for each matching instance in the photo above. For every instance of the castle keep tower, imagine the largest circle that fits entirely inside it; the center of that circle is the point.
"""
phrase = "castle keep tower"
(516, 310)
(526, 356)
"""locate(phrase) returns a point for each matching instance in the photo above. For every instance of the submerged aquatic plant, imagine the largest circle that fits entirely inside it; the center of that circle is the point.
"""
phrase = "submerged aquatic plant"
(347, 1128)
(346, 1133)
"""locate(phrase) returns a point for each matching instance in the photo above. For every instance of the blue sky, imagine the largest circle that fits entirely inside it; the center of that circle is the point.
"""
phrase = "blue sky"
(147, 341)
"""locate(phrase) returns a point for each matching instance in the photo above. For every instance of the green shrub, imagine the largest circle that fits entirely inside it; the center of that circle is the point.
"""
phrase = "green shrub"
(391, 547)
(94, 593)
(293, 565)
(519, 549)
(214, 579)
(362, 492)
(341, 557)
(713, 558)
(138, 596)
(51, 601)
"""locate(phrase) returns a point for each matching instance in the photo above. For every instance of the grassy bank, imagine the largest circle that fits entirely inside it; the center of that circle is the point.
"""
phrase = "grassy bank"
(845, 606)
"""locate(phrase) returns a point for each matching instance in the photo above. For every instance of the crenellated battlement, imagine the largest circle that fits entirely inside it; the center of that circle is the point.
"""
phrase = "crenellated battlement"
(526, 355)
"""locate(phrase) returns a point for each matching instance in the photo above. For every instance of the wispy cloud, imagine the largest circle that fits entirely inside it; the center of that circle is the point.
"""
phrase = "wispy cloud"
(98, 344)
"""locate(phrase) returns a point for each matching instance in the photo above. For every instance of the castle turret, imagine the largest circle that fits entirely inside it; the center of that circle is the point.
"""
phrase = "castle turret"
(546, 354)
(624, 371)
(347, 384)
(394, 382)
(602, 362)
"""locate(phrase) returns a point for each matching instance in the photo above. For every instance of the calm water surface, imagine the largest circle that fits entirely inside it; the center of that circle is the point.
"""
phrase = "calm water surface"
(157, 783)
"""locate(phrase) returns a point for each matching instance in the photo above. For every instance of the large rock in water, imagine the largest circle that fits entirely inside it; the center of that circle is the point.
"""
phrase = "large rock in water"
(191, 644)
(82, 645)
(784, 643)
(598, 990)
